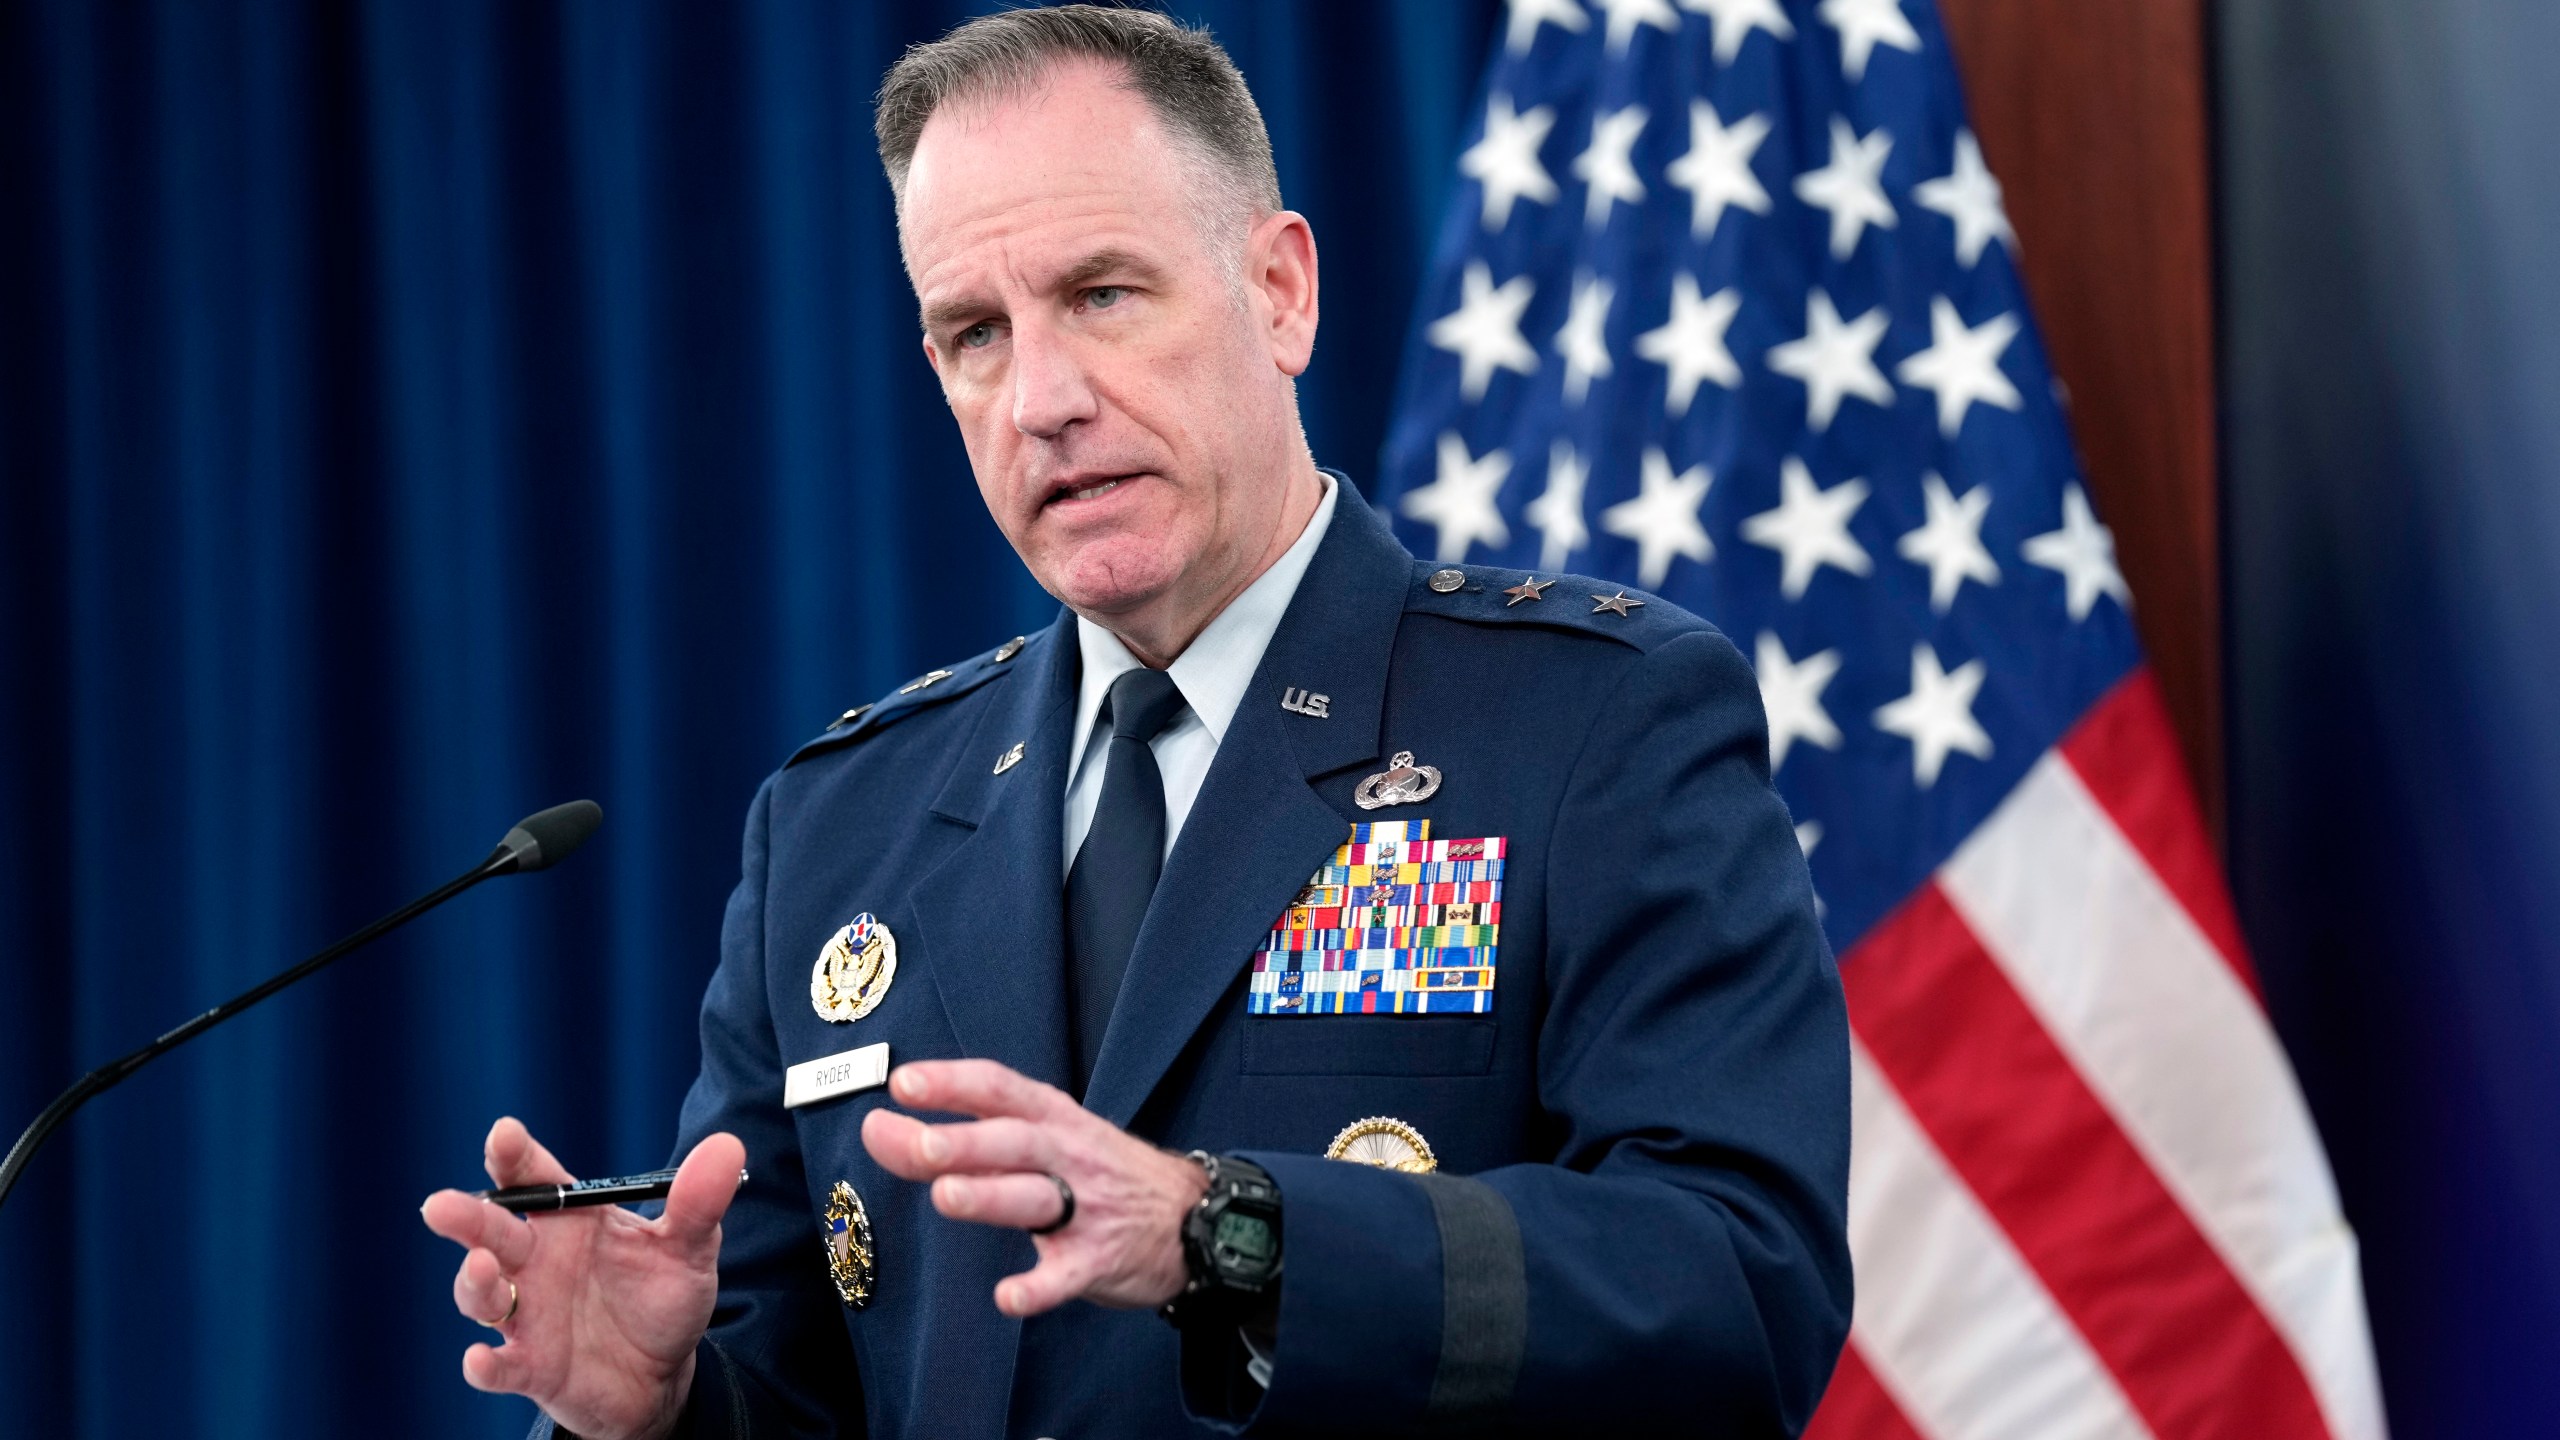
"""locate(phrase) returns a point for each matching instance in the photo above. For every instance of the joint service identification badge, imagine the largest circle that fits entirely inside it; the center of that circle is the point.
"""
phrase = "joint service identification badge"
(854, 970)
(850, 1262)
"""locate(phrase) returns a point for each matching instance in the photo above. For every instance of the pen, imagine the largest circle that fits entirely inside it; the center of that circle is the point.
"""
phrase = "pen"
(620, 1190)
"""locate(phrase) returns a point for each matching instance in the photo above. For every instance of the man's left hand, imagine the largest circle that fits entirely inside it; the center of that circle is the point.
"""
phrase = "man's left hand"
(1124, 1246)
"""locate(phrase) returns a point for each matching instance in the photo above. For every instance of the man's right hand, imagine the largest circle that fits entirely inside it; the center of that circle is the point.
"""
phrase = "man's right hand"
(608, 1307)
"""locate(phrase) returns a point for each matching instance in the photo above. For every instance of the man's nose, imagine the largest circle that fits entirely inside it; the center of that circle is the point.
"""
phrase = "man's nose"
(1050, 389)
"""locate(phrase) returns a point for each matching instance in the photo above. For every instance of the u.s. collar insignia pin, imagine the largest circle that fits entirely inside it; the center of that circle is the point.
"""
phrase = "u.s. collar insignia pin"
(1386, 1143)
(854, 970)
(1401, 783)
(850, 1261)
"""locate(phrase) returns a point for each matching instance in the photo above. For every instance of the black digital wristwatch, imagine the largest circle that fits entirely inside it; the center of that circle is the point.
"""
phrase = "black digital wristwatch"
(1230, 1244)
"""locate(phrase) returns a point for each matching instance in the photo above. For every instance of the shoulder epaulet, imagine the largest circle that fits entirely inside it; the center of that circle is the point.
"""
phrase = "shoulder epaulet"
(932, 688)
(1489, 595)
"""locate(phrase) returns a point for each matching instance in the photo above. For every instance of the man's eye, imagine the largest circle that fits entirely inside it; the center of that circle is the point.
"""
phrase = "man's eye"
(978, 336)
(1103, 297)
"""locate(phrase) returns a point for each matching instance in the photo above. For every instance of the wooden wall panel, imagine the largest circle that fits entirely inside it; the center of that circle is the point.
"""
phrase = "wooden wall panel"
(2093, 115)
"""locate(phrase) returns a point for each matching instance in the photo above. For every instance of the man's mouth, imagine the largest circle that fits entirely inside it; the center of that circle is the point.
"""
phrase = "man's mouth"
(1085, 488)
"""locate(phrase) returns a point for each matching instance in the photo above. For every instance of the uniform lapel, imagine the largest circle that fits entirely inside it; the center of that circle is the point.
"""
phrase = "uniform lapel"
(990, 913)
(1258, 829)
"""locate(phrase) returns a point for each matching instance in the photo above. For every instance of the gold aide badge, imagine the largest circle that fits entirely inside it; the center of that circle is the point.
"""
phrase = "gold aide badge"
(848, 1237)
(1387, 1144)
(854, 970)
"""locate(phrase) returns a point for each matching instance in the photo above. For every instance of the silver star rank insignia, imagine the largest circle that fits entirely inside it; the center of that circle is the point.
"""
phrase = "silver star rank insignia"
(1526, 590)
(1621, 603)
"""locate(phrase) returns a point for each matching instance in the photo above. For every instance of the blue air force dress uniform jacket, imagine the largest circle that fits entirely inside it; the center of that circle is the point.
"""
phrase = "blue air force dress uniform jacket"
(1635, 1085)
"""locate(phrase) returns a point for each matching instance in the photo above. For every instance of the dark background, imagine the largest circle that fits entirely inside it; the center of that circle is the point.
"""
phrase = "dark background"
(415, 414)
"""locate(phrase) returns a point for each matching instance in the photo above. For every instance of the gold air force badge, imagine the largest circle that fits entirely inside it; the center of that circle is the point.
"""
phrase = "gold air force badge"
(854, 970)
(850, 1262)
(1385, 1143)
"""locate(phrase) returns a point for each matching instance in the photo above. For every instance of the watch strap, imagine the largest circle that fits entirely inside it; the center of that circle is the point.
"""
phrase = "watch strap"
(1209, 1295)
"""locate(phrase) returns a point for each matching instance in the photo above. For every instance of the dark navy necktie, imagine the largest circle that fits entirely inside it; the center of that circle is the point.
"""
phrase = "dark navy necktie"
(1114, 875)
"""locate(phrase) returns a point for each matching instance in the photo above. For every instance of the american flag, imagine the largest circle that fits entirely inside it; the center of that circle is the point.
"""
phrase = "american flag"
(1726, 307)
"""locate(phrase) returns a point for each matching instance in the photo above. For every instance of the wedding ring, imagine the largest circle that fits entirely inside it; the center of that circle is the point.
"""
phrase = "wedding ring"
(1066, 1208)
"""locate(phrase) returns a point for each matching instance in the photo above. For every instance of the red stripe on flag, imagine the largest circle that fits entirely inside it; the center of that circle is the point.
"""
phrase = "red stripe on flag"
(1856, 1406)
(2015, 1119)
(2126, 752)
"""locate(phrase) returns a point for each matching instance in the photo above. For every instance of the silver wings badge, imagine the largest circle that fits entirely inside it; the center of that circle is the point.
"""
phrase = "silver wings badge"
(1401, 783)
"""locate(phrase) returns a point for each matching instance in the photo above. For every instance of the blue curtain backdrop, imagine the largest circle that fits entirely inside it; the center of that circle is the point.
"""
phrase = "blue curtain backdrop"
(412, 415)
(2391, 216)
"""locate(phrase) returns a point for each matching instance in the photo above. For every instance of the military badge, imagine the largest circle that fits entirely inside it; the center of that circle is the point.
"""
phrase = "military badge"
(1385, 1143)
(1396, 923)
(1401, 783)
(850, 1262)
(854, 970)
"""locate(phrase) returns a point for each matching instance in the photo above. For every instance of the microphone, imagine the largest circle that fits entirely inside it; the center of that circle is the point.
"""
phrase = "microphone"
(541, 841)
(538, 842)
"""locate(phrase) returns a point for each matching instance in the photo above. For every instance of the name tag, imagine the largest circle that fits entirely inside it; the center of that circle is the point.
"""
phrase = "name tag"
(829, 1076)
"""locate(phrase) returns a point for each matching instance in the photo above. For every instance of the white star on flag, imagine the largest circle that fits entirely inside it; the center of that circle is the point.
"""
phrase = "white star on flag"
(1962, 365)
(1607, 168)
(1950, 541)
(1791, 692)
(1810, 528)
(1558, 511)
(1527, 15)
(1461, 500)
(1849, 187)
(1734, 20)
(1484, 331)
(1865, 24)
(1506, 160)
(2084, 551)
(1717, 170)
(1583, 339)
(1969, 195)
(1937, 716)
(1691, 343)
(1834, 360)
(1626, 15)
(1663, 517)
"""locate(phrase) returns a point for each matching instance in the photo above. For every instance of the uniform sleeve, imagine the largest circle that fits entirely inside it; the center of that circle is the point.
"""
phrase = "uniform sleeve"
(1683, 1266)
(776, 1362)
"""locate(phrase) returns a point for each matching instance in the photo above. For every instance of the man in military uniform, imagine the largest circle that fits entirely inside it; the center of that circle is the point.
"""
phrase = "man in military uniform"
(1401, 979)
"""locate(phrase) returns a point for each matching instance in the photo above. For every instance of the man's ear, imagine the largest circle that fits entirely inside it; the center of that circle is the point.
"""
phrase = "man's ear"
(1281, 261)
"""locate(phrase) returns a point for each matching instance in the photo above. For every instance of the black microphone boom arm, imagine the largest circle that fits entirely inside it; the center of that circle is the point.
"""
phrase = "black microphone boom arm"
(537, 842)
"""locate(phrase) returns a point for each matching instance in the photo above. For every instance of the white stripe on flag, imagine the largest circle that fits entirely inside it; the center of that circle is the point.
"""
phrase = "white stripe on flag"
(1950, 1318)
(2181, 1053)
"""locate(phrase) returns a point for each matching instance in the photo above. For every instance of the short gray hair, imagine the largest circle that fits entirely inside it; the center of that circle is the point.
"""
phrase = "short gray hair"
(1185, 77)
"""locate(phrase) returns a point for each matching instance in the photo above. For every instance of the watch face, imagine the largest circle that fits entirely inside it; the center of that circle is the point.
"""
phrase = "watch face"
(1243, 1240)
